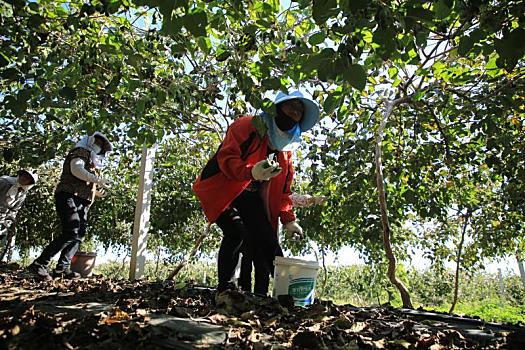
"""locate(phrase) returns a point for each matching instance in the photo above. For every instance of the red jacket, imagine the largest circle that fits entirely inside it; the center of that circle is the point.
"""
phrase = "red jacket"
(229, 172)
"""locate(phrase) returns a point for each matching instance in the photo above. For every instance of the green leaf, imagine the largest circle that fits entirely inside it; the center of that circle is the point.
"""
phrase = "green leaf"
(272, 83)
(68, 93)
(166, 7)
(421, 38)
(222, 54)
(511, 48)
(465, 45)
(384, 36)
(491, 67)
(317, 38)
(10, 73)
(113, 84)
(24, 95)
(325, 72)
(172, 25)
(161, 97)
(386, 39)
(4, 60)
(196, 23)
(18, 3)
(441, 9)
(135, 60)
(19, 107)
(356, 76)
(477, 35)
(140, 106)
(261, 23)
(330, 103)
(204, 44)
(392, 72)
(217, 22)
(419, 95)
(420, 13)
(341, 65)
(250, 29)
(353, 5)
(113, 6)
(36, 20)
(439, 71)
(323, 62)
(148, 3)
(133, 84)
(322, 10)
(33, 6)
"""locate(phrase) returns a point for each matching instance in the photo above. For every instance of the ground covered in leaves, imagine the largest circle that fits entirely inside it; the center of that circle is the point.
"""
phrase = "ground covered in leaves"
(107, 314)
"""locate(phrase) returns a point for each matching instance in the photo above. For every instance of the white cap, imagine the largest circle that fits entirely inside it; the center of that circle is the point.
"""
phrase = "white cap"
(31, 173)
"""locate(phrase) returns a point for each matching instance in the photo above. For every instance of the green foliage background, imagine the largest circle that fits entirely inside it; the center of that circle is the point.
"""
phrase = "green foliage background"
(361, 285)
(177, 73)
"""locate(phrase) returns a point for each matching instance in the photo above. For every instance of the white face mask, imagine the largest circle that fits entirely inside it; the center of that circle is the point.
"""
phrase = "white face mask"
(96, 148)
(27, 187)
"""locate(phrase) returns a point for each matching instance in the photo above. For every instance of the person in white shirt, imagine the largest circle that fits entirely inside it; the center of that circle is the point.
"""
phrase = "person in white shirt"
(77, 188)
(13, 192)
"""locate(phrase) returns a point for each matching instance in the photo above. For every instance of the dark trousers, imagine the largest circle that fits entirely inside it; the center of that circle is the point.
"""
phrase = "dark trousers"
(246, 229)
(73, 214)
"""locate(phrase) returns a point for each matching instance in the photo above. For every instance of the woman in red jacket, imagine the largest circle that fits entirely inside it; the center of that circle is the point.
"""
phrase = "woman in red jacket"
(245, 187)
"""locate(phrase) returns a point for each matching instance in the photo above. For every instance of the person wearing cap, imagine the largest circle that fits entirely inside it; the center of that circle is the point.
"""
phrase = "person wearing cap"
(13, 192)
(79, 184)
(245, 187)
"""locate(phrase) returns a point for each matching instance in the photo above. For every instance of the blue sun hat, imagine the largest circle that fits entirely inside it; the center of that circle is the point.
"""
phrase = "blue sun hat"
(311, 109)
(291, 139)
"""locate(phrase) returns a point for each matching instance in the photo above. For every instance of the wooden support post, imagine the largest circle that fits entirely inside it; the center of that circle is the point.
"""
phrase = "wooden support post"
(142, 213)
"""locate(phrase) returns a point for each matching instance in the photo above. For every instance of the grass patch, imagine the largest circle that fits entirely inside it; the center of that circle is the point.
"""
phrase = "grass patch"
(490, 311)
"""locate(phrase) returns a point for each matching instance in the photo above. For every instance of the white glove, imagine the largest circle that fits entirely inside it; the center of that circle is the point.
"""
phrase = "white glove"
(306, 200)
(103, 182)
(78, 170)
(294, 230)
(265, 170)
(100, 193)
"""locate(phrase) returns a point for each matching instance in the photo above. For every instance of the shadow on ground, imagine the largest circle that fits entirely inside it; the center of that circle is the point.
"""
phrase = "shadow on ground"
(99, 313)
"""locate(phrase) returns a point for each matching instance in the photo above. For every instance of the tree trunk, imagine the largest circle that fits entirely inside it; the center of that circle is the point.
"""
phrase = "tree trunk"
(123, 265)
(157, 261)
(522, 270)
(458, 263)
(325, 271)
(196, 247)
(405, 296)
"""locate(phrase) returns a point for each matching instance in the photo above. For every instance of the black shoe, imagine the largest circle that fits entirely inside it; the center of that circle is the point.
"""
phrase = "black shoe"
(227, 286)
(39, 272)
(66, 273)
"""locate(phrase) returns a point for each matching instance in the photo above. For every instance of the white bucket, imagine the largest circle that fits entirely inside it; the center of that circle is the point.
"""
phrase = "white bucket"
(295, 277)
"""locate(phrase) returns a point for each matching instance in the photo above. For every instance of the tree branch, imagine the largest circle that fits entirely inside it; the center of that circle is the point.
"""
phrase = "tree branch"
(448, 156)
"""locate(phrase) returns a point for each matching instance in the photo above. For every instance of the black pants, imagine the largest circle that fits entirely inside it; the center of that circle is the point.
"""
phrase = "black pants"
(73, 213)
(246, 228)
